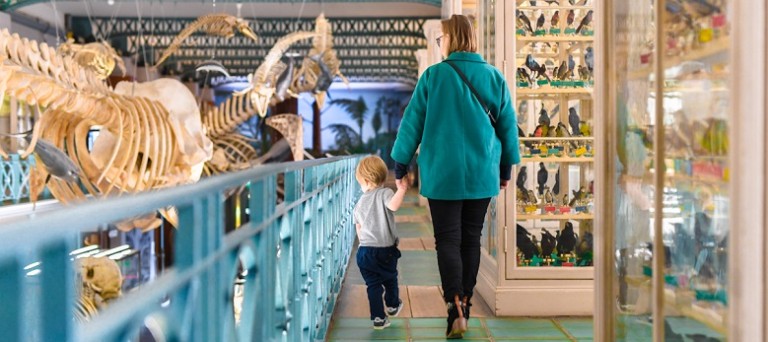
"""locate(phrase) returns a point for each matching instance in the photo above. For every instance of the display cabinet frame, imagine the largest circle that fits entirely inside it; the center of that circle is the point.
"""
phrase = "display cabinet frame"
(521, 291)
(746, 318)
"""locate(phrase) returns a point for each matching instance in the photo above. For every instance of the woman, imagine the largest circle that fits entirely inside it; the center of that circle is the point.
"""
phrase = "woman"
(466, 156)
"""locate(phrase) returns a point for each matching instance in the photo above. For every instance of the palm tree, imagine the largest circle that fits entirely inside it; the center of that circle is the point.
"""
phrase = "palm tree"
(357, 110)
(376, 121)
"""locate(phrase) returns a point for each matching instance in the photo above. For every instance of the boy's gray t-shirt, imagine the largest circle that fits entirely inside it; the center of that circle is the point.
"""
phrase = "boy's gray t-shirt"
(377, 222)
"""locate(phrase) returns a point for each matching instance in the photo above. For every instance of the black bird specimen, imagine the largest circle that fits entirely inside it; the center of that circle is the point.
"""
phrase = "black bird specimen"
(555, 20)
(541, 177)
(566, 242)
(525, 244)
(542, 72)
(543, 117)
(548, 243)
(571, 64)
(522, 176)
(523, 21)
(523, 75)
(585, 21)
(574, 121)
(577, 196)
(589, 58)
(540, 22)
(571, 17)
(556, 188)
(531, 63)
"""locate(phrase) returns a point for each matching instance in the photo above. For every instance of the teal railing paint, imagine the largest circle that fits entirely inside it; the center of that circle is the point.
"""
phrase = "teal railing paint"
(295, 253)
(14, 178)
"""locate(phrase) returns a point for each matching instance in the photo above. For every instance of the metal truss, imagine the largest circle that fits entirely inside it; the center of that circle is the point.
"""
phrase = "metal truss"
(380, 48)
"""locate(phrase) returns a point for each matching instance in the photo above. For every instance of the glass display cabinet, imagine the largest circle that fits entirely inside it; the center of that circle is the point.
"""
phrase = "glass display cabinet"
(543, 263)
(684, 172)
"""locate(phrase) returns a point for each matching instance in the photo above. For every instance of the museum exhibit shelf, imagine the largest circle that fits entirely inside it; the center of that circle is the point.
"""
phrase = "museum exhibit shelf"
(669, 179)
(536, 280)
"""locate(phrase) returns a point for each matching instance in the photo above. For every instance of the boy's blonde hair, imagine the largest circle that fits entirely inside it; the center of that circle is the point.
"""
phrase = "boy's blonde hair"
(372, 169)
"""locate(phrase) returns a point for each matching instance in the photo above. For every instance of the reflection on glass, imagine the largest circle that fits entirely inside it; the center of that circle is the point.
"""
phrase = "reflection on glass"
(694, 172)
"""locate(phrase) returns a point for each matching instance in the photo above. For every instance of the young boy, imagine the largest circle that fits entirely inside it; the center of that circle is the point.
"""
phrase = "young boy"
(377, 255)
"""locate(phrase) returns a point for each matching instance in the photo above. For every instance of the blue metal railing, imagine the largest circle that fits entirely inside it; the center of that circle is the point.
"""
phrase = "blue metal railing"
(295, 254)
(14, 178)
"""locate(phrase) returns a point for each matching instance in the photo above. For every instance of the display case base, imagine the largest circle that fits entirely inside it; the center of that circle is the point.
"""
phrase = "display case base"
(550, 297)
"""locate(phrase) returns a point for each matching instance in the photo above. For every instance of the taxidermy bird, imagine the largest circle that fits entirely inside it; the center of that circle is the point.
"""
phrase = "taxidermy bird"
(585, 245)
(589, 58)
(524, 22)
(548, 243)
(700, 8)
(583, 73)
(532, 197)
(540, 22)
(548, 197)
(562, 131)
(585, 21)
(522, 177)
(551, 132)
(571, 17)
(562, 71)
(541, 131)
(523, 76)
(565, 200)
(556, 188)
(542, 72)
(571, 64)
(578, 196)
(574, 121)
(531, 63)
(566, 242)
(543, 117)
(541, 178)
(555, 20)
(525, 244)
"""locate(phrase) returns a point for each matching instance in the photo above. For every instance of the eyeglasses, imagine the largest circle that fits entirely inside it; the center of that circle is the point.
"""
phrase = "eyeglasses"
(438, 40)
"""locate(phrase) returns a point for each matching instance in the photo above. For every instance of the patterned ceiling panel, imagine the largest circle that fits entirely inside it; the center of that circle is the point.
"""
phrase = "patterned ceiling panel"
(380, 49)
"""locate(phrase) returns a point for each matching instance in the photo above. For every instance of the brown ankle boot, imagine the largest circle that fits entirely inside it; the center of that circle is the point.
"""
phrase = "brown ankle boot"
(465, 306)
(458, 326)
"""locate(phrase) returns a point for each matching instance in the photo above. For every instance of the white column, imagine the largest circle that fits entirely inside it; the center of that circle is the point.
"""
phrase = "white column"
(432, 30)
(451, 7)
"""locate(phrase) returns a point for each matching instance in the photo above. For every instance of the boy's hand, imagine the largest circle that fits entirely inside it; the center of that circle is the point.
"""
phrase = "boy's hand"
(402, 184)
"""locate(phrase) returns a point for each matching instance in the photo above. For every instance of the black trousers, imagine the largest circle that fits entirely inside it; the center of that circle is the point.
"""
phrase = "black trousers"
(458, 227)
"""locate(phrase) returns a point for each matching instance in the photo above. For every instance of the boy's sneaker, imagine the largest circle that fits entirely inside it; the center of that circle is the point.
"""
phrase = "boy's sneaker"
(393, 312)
(380, 323)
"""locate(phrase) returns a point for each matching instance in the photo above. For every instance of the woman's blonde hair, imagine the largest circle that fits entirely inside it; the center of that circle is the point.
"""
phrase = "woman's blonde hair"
(372, 169)
(461, 33)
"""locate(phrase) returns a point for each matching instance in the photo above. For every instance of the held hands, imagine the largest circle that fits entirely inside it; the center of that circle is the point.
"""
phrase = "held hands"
(402, 184)
(503, 184)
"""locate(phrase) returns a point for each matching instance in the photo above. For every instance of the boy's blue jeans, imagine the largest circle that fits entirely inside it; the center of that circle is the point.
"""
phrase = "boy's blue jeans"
(378, 266)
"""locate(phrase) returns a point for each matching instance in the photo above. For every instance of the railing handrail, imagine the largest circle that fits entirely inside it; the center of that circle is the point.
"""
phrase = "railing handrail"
(17, 235)
(301, 250)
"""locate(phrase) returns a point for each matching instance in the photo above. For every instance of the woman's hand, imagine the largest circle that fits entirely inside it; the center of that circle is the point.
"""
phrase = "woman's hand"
(504, 184)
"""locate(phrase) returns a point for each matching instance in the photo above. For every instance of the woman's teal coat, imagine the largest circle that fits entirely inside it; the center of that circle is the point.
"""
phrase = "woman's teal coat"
(460, 155)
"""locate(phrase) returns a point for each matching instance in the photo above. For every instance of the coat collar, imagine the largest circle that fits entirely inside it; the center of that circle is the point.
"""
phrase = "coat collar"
(465, 56)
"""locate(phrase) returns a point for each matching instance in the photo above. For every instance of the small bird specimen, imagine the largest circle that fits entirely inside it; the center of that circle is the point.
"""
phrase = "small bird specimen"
(574, 120)
(585, 21)
(541, 177)
(566, 242)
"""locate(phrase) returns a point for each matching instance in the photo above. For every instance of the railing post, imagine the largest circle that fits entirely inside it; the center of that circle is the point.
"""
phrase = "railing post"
(259, 323)
(56, 292)
(10, 283)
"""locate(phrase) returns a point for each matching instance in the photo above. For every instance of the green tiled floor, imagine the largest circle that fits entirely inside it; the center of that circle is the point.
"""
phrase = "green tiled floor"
(421, 269)
(414, 229)
(480, 329)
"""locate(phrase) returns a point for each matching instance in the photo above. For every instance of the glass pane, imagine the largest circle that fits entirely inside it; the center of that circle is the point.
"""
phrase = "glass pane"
(695, 224)
(633, 178)
(490, 229)
(554, 182)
